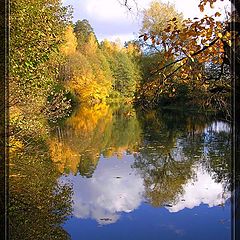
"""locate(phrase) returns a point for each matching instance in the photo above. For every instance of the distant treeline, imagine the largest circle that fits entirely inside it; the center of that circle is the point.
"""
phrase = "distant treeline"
(98, 72)
(54, 62)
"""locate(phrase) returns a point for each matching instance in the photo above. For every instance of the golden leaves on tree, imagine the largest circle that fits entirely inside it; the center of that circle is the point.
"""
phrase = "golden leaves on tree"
(199, 41)
(203, 3)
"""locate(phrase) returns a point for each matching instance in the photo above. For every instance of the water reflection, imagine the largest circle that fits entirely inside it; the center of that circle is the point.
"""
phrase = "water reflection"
(118, 160)
(114, 188)
(91, 131)
(38, 204)
(218, 126)
(203, 189)
(139, 174)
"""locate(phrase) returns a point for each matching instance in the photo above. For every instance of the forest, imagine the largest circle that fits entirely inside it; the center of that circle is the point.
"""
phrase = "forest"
(57, 65)
(175, 62)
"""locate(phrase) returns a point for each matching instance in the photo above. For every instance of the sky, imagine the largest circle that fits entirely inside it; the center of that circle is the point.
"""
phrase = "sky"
(110, 20)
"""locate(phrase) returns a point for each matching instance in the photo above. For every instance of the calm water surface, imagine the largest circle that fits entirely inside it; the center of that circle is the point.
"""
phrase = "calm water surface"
(140, 176)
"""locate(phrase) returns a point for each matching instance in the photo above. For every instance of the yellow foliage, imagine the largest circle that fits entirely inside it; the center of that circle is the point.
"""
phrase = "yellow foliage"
(87, 118)
(14, 112)
(70, 45)
(91, 76)
(108, 45)
(63, 156)
(91, 46)
(15, 145)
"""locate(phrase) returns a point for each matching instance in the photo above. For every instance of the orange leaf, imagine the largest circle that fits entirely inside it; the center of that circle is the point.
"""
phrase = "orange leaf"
(217, 14)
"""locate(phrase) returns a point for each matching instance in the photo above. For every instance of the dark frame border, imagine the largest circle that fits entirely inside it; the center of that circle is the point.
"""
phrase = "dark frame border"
(4, 51)
(4, 69)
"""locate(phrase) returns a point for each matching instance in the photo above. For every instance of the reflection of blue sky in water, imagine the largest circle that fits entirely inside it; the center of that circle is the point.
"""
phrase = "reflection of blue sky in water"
(116, 188)
(201, 190)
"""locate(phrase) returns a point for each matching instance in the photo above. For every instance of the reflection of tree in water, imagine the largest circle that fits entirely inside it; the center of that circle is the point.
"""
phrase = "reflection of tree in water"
(125, 131)
(213, 149)
(218, 152)
(87, 166)
(38, 205)
(91, 131)
(76, 144)
(172, 144)
(163, 176)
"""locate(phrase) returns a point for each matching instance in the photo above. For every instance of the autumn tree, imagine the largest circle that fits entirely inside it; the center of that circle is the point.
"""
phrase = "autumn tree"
(156, 18)
(190, 47)
(161, 88)
(36, 31)
(82, 30)
(67, 50)
(70, 42)
(124, 67)
(91, 78)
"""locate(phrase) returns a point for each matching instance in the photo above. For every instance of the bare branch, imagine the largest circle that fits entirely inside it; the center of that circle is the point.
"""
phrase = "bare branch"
(125, 3)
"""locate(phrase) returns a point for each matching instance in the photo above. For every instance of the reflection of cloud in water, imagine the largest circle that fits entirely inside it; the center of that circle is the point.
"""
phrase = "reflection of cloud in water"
(202, 190)
(113, 188)
(218, 126)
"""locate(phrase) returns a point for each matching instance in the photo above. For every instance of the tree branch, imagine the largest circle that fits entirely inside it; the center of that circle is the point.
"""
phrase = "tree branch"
(192, 55)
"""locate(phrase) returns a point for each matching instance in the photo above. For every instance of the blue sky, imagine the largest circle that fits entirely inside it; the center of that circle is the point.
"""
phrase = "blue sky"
(111, 20)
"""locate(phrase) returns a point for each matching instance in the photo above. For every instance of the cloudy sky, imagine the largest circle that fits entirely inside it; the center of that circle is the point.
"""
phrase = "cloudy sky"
(111, 20)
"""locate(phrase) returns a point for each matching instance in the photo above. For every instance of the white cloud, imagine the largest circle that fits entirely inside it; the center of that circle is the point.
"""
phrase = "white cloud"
(106, 10)
(122, 37)
(107, 15)
(190, 8)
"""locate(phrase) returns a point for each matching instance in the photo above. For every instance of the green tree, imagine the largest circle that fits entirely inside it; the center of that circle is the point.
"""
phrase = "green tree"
(36, 31)
(82, 30)
(124, 67)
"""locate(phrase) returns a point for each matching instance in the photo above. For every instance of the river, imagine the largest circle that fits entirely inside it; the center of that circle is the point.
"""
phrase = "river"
(144, 175)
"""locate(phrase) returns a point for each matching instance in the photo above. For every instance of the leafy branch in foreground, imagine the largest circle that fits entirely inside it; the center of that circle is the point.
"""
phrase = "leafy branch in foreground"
(190, 48)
